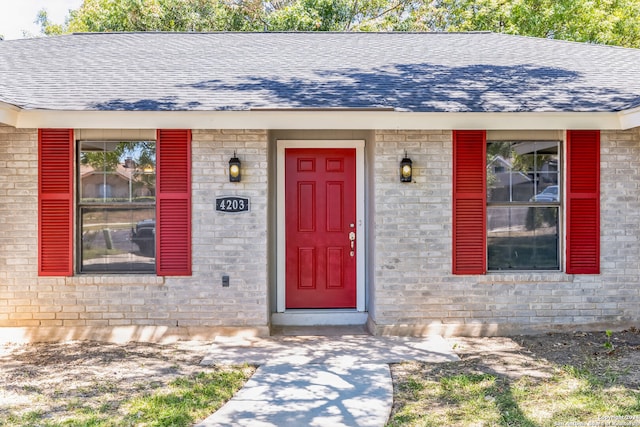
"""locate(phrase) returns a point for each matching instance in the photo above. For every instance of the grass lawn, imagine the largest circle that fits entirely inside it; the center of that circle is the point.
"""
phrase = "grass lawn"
(549, 380)
(182, 402)
(570, 395)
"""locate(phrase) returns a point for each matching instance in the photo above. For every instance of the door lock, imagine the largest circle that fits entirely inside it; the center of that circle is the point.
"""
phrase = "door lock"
(352, 238)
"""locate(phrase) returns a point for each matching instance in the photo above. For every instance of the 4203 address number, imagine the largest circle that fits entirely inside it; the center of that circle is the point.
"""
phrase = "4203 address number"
(232, 204)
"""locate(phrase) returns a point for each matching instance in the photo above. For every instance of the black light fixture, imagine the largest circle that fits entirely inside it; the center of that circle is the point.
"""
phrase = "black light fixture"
(406, 168)
(234, 169)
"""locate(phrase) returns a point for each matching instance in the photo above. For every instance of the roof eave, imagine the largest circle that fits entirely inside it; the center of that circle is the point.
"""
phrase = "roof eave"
(317, 119)
(9, 114)
(630, 118)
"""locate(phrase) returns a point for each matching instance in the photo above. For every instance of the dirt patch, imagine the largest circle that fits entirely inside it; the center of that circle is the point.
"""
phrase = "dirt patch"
(616, 356)
(537, 355)
(53, 378)
(612, 360)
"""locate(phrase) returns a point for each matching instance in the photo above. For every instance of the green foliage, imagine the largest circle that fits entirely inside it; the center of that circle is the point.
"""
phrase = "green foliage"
(48, 27)
(311, 15)
(614, 22)
(186, 400)
(182, 402)
(28, 418)
(154, 15)
(608, 344)
(141, 153)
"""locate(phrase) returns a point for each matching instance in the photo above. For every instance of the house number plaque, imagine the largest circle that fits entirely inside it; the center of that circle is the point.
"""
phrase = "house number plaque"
(232, 204)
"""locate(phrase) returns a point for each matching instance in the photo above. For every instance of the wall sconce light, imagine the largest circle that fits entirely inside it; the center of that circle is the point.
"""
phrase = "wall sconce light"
(406, 169)
(234, 169)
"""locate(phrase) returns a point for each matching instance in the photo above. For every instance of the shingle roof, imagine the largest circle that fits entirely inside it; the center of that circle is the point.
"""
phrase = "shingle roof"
(425, 72)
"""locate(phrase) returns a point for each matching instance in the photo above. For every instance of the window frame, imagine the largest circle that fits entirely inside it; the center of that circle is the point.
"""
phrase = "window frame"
(80, 206)
(558, 205)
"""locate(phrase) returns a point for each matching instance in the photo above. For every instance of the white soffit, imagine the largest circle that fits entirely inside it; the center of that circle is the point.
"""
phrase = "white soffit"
(630, 118)
(318, 119)
(9, 114)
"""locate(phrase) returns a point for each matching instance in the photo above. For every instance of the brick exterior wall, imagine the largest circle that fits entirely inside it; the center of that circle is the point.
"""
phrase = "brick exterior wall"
(223, 244)
(411, 289)
(415, 291)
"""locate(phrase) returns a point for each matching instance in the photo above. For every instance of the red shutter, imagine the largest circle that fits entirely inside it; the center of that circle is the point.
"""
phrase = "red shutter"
(583, 202)
(469, 202)
(55, 202)
(173, 203)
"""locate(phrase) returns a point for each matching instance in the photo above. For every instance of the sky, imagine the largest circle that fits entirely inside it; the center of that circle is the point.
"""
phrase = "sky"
(18, 16)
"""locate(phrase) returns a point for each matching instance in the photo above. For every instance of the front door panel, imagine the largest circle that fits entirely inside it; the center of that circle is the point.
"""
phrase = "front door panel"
(320, 212)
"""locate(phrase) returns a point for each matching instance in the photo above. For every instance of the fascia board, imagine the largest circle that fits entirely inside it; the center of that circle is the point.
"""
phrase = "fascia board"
(630, 118)
(320, 119)
(9, 114)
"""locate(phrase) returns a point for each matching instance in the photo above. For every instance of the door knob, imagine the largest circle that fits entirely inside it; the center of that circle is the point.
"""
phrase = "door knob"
(352, 238)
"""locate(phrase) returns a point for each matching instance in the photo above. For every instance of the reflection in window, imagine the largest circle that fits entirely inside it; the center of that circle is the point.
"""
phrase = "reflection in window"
(523, 203)
(522, 238)
(113, 242)
(522, 171)
(117, 172)
(117, 206)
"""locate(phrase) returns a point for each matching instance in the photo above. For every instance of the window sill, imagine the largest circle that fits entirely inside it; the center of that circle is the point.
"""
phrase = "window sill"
(115, 279)
(509, 277)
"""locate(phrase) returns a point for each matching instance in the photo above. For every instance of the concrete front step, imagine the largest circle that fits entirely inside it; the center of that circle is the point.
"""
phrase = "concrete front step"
(299, 350)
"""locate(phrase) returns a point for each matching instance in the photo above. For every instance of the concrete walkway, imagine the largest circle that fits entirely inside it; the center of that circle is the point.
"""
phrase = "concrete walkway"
(317, 380)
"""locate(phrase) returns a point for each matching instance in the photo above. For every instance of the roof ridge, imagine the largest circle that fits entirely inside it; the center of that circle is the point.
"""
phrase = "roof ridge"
(280, 32)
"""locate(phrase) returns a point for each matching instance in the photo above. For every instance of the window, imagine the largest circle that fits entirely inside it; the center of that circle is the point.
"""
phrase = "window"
(117, 206)
(523, 205)
(137, 217)
(508, 207)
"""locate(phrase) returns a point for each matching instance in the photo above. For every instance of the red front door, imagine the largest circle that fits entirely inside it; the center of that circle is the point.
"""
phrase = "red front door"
(320, 211)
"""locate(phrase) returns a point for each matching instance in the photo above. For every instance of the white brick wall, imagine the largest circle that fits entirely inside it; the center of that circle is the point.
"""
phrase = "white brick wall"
(235, 245)
(415, 291)
(411, 240)
(18, 232)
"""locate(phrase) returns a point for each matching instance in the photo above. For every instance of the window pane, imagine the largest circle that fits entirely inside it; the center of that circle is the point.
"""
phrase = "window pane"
(118, 239)
(509, 187)
(117, 172)
(520, 171)
(118, 235)
(522, 238)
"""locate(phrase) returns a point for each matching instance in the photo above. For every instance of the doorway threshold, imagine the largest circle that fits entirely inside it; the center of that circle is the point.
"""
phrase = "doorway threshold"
(319, 331)
(315, 317)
